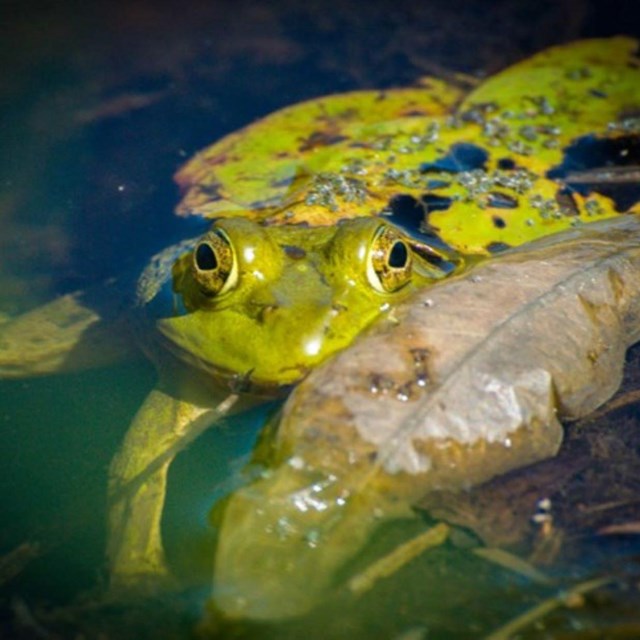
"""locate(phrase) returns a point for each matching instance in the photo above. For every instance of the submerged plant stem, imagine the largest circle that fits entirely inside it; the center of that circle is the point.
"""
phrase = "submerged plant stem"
(562, 599)
(400, 556)
(512, 563)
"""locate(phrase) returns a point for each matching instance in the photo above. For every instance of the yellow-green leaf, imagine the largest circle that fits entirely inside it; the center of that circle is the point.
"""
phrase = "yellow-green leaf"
(492, 173)
(253, 170)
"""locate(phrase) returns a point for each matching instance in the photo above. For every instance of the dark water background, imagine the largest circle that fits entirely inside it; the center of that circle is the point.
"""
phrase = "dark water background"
(100, 103)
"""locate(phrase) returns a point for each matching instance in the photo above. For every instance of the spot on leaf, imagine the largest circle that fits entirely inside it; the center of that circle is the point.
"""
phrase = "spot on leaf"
(500, 200)
(607, 166)
(497, 247)
(461, 157)
(407, 212)
(498, 222)
(434, 202)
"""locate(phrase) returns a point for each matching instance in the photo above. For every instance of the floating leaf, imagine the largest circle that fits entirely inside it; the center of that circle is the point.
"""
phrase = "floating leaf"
(65, 335)
(257, 167)
(557, 96)
(493, 173)
(463, 382)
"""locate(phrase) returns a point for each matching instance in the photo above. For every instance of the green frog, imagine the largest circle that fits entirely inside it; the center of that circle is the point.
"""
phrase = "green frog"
(266, 304)
(241, 314)
(253, 309)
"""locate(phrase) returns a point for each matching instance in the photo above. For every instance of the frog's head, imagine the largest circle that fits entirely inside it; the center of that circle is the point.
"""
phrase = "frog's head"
(266, 304)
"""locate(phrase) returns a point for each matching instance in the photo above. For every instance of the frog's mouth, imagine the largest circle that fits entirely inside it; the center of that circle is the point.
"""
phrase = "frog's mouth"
(187, 351)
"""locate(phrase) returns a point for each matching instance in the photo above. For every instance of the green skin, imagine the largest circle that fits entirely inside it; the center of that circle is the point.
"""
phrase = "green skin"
(293, 295)
(301, 295)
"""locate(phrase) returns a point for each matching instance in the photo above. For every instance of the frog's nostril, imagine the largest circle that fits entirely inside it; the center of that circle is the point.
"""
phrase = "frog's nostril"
(266, 311)
(294, 252)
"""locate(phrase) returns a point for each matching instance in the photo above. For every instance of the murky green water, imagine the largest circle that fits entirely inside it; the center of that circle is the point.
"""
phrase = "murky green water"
(101, 106)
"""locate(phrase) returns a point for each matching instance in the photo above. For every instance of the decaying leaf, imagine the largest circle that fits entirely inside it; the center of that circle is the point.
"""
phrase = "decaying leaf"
(65, 335)
(464, 382)
(501, 511)
(590, 487)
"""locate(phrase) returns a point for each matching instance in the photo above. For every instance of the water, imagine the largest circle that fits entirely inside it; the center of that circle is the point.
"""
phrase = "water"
(101, 105)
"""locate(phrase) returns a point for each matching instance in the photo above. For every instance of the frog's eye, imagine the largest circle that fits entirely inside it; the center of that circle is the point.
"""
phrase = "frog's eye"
(390, 261)
(214, 264)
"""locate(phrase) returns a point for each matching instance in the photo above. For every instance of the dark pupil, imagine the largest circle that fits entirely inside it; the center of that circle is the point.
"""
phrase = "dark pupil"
(398, 255)
(206, 258)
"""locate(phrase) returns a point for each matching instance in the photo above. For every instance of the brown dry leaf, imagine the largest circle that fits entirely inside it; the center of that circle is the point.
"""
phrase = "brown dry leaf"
(590, 487)
(459, 384)
(500, 512)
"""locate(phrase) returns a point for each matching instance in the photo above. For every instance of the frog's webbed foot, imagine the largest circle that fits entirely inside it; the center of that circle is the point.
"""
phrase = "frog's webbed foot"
(163, 426)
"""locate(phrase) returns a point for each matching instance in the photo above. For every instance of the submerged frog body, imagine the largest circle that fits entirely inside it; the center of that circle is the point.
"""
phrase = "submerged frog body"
(254, 308)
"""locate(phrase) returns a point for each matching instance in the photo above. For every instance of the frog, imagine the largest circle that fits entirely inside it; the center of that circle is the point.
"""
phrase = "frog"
(236, 316)
(266, 304)
(253, 309)
(231, 318)
(324, 216)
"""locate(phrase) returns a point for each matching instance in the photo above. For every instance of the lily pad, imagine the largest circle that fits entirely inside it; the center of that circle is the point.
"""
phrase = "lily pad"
(252, 172)
(484, 176)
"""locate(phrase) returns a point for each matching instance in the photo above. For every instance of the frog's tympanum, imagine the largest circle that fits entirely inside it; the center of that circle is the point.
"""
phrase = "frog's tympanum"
(325, 215)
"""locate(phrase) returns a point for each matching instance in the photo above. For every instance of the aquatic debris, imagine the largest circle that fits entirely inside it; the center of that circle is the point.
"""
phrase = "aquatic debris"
(14, 562)
(329, 189)
(397, 558)
(571, 598)
(512, 563)
(65, 335)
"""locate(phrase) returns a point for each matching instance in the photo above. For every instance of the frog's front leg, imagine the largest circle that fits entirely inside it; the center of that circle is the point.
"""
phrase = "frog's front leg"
(163, 426)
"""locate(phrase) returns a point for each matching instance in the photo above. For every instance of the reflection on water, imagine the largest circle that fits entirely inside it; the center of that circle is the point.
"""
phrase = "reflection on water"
(102, 105)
